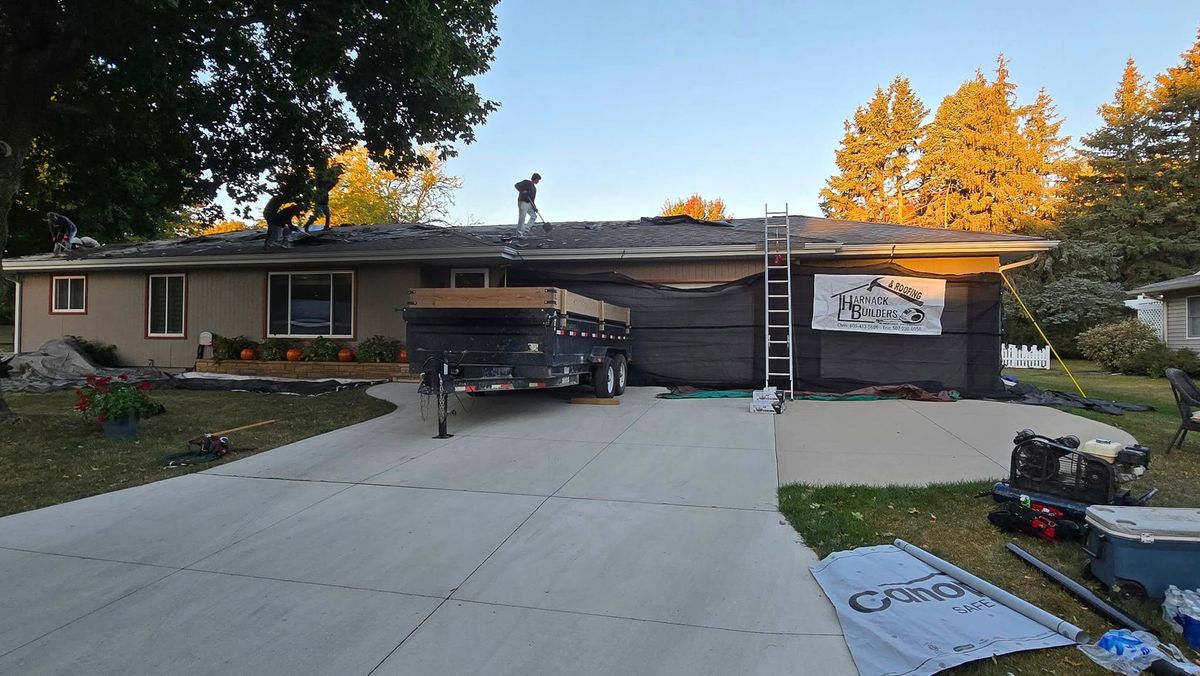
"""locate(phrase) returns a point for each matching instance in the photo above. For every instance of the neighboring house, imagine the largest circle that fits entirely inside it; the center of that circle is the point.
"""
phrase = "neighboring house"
(153, 299)
(1181, 304)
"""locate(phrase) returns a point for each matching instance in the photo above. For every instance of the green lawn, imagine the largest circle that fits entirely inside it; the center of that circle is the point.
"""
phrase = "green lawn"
(51, 454)
(948, 521)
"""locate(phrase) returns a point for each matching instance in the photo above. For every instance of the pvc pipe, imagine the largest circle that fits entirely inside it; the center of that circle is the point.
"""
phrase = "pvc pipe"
(1082, 593)
(17, 316)
(982, 586)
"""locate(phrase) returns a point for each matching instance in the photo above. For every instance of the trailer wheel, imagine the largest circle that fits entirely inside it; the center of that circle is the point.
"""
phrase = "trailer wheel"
(604, 379)
(621, 367)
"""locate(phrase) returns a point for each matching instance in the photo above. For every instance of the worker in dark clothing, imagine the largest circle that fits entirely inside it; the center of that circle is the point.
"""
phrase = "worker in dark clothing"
(325, 183)
(63, 232)
(527, 204)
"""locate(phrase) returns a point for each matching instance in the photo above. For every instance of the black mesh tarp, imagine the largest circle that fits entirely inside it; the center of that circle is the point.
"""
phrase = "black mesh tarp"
(713, 337)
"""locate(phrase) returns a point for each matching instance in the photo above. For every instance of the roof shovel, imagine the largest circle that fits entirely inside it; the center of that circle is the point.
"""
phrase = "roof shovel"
(545, 226)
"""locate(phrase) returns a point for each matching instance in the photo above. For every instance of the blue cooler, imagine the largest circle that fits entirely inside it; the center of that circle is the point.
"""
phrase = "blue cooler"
(1139, 551)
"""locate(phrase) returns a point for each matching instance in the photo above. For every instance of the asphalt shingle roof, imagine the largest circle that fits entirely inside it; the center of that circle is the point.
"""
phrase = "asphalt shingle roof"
(1179, 283)
(673, 232)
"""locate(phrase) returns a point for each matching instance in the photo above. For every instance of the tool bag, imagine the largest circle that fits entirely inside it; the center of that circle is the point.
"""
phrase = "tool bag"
(1036, 519)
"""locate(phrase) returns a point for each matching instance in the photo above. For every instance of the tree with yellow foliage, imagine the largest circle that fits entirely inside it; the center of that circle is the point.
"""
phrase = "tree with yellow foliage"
(228, 225)
(369, 193)
(697, 207)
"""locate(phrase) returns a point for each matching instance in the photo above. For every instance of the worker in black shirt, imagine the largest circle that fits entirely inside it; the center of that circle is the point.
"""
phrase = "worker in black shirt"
(527, 204)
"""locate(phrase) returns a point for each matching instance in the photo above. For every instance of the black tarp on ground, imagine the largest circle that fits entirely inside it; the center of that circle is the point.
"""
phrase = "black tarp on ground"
(713, 337)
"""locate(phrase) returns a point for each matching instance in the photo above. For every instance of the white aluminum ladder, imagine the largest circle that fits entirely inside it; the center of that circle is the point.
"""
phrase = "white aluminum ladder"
(777, 276)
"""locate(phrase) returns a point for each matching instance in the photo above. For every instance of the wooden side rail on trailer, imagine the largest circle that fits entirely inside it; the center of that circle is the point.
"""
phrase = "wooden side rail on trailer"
(517, 297)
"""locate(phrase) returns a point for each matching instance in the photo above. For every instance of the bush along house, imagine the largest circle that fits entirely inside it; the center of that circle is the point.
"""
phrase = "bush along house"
(870, 303)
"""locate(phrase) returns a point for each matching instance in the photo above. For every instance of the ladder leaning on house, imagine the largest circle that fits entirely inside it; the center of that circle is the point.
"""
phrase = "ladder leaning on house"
(777, 277)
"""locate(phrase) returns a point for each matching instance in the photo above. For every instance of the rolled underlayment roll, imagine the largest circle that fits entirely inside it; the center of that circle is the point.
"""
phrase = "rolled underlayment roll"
(1015, 603)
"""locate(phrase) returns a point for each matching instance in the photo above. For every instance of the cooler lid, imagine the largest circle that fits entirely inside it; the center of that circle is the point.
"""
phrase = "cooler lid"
(1147, 523)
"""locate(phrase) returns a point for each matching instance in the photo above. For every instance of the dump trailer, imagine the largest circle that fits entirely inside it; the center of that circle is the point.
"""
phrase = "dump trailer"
(515, 338)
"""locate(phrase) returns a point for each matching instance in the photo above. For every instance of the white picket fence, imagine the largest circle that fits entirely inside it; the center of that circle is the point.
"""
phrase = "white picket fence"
(1025, 356)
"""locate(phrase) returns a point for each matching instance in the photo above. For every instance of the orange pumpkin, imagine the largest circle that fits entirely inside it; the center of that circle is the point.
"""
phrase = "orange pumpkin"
(248, 354)
(345, 354)
(403, 355)
(295, 354)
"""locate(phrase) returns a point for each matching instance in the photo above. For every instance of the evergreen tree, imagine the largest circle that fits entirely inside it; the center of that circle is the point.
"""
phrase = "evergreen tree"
(1140, 196)
(987, 164)
(877, 179)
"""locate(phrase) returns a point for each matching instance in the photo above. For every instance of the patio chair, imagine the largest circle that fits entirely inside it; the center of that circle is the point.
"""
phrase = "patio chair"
(1187, 397)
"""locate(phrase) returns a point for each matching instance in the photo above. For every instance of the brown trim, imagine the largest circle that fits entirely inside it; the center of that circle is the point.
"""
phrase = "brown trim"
(146, 306)
(86, 290)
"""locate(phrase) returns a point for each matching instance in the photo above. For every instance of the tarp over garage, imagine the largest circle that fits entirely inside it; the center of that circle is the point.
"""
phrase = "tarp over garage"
(713, 337)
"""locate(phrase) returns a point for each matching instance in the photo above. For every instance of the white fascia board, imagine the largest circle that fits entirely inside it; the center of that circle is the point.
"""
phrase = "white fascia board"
(225, 260)
(950, 248)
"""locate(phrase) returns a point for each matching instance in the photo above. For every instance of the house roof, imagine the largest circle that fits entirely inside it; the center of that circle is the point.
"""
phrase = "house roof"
(1191, 281)
(648, 238)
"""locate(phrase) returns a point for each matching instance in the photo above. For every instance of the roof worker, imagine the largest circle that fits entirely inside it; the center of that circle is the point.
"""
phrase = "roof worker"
(326, 180)
(63, 232)
(527, 204)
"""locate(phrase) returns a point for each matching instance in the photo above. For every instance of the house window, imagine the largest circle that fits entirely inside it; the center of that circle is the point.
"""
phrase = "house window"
(1193, 317)
(304, 304)
(68, 295)
(469, 278)
(166, 306)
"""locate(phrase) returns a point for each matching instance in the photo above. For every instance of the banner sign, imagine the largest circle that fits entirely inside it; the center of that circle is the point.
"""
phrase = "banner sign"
(878, 304)
(902, 616)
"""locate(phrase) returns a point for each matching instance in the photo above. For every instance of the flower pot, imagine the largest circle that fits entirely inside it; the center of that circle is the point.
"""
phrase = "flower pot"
(403, 355)
(295, 354)
(248, 354)
(121, 428)
(345, 354)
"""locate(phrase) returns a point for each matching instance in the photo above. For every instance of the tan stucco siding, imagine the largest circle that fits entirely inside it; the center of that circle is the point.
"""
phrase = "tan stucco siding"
(693, 272)
(668, 272)
(937, 266)
(223, 301)
(1177, 321)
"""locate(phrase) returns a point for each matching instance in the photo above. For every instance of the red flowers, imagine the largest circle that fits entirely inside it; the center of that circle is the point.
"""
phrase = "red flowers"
(106, 398)
(144, 386)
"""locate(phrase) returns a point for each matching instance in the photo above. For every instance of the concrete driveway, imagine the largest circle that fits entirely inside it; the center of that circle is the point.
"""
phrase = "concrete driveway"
(544, 538)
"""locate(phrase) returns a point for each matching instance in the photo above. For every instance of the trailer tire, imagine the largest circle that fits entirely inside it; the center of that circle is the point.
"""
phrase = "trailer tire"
(604, 379)
(621, 372)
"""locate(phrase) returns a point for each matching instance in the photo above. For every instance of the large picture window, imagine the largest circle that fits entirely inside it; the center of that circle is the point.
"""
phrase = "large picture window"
(166, 306)
(305, 304)
(68, 295)
(1193, 317)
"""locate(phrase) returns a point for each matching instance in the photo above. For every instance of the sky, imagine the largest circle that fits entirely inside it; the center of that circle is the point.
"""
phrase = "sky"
(622, 104)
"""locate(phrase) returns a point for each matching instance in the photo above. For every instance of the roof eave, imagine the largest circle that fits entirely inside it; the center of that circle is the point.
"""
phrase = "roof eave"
(983, 248)
(228, 260)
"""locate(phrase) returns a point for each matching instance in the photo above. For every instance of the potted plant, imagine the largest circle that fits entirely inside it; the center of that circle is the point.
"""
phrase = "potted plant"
(378, 350)
(116, 404)
(321, 349)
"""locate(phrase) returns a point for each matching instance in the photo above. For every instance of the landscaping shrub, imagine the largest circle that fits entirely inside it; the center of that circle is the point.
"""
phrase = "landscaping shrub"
(1153, 360)
(275, 349)
(1112, 345)
(322, 349)
(105, 398)
(231, 348)
(379, 350)
(103, 354)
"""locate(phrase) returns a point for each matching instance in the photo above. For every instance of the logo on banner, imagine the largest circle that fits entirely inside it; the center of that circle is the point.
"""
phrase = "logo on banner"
(878, 304)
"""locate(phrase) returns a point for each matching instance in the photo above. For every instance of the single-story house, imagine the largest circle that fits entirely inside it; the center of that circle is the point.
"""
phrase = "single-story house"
(1181, 307)
(695, 287)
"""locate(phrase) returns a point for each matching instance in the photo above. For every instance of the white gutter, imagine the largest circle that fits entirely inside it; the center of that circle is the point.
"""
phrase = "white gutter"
(950, 248)
(17, 317)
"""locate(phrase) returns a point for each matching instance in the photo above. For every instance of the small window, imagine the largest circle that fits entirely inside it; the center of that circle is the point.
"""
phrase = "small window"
(1193, 317)
(69, 295)
(469, 278)
(166, 306)
(309, 304)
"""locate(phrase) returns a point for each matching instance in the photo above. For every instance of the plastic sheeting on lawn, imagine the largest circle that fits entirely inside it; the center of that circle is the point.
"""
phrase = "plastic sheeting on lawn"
(60, 364)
